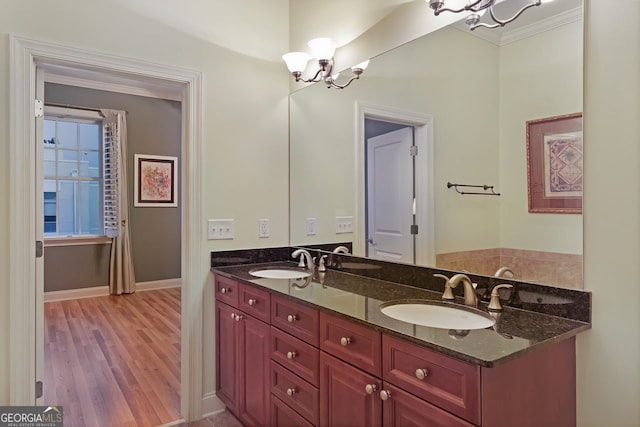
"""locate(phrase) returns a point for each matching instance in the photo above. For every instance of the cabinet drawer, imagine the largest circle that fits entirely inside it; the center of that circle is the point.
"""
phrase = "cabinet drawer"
(448, 383)
(295, 392)
(295, 355)
(226, 290)
(283, 416)
(296, 319)
(351, 342)
(255, 302)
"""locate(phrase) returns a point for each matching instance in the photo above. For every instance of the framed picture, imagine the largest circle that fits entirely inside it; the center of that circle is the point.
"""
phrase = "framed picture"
(555, 164)
(156, 181)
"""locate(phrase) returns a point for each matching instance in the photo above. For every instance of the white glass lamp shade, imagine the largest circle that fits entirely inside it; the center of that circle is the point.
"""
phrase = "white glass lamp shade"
(362, 65)
(322, 48)
(296, 61)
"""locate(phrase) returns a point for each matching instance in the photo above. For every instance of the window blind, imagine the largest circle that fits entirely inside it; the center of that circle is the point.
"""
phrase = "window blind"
(110, 159)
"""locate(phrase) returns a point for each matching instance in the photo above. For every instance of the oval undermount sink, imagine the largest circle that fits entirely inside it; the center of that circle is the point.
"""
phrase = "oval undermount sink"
(280, 273)
(437, 314)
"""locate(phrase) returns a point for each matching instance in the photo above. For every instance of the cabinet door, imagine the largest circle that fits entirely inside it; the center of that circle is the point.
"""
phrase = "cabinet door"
(402, 409)
(344, 400)
(227, 371)
(254, 352)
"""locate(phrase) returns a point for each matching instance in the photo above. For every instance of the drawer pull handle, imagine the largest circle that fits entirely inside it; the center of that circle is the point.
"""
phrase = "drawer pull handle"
(291, 391)
(252, 302)
(370, 388)
(292, 355)
(292, 318)
(345, 341)
(238, 317)
(421, 373)
(224, 290)
(384, 394)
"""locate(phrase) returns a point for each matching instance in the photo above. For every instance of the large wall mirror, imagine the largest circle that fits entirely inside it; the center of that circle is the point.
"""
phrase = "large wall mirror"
(464, 101)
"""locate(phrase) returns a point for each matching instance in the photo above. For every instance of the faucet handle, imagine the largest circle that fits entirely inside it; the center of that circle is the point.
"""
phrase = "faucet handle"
(448, 293)
(494, 304)
(321, 265)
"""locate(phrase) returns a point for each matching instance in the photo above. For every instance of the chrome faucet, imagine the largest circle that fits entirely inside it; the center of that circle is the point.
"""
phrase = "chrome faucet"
(304, 256)
(470, 297)
(502, 271)
(341, 250)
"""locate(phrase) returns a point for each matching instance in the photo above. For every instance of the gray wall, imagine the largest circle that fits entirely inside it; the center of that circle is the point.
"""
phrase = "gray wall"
(153, 127)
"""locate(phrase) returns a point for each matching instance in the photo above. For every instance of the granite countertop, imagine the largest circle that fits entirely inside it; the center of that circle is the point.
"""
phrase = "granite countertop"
(358, 298)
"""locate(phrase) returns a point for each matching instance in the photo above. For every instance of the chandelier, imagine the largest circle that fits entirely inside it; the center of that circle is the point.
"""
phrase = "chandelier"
(478, 8)
(322, 50)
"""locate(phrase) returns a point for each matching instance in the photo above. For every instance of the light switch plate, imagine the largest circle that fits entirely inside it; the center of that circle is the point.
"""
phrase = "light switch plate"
(311, 226)
(344, 224)
(220, 229)
(263, 228)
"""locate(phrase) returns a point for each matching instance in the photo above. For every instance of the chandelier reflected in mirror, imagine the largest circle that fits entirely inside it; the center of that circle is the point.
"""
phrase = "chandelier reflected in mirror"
(322, 50)
(478, 9)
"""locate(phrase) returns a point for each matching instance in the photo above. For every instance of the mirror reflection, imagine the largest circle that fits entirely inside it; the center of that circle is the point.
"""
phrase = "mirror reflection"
(463, 101)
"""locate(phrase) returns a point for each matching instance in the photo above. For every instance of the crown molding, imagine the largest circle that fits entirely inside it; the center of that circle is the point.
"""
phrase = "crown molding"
(571, 15)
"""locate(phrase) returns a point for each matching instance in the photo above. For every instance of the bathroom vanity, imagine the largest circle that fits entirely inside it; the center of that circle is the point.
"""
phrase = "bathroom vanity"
(318, 351)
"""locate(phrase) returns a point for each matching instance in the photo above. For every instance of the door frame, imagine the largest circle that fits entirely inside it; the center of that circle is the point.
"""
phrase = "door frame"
(423, 125)
(25, 55)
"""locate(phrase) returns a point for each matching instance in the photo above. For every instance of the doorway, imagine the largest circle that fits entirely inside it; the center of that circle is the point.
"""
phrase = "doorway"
(390, 191)
(413, 222)
(25, 285)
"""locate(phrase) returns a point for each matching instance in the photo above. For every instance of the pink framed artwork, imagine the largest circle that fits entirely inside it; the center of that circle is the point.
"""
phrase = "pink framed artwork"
(156, 181)
(555, 164)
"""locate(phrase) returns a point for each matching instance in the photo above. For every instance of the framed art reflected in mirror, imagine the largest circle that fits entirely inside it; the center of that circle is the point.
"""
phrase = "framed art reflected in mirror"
(555, 164)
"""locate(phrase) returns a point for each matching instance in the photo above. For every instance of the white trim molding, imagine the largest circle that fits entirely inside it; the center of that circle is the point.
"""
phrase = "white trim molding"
(26, 55)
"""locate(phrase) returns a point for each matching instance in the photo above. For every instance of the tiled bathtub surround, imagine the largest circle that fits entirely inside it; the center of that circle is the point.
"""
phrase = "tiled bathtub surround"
(556, 301)
(530, 266)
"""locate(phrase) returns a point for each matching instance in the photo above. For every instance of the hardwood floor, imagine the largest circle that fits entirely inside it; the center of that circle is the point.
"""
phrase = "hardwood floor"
(114, 360)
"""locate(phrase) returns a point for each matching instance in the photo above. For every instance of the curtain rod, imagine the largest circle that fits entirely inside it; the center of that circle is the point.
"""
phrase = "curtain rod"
(77, 107)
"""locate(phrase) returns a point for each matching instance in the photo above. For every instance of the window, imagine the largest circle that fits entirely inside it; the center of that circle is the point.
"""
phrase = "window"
(73, 173)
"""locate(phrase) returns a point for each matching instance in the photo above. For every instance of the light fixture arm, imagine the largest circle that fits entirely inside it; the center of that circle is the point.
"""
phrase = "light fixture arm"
(332, 83)
(438, 8)
(502, 22)
(477, 8)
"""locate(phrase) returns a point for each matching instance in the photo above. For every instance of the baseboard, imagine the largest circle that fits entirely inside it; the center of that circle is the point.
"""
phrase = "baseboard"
(158, 284)
(99, 291)
(211, 405)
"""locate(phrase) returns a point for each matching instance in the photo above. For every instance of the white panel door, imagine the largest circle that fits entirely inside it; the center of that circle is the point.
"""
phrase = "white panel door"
(390, 196)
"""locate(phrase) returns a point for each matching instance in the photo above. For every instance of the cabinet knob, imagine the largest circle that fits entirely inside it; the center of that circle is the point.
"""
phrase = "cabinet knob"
(421, 373)
(370, 388)
(252, 301)
(384, 394)
(291, 391)
(233, 316)
(291, 355)
(224, 290)
(345, 341)
(238, 317)
(292, 318)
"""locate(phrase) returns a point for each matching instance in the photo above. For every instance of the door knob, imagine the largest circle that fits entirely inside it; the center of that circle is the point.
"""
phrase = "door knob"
(371, 242)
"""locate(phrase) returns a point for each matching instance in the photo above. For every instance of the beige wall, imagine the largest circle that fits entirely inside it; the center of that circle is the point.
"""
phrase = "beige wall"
(609, 354)
(245, 141)
(540, 77)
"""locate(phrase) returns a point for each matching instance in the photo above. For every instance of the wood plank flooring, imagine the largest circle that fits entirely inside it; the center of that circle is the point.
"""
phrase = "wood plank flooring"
(114, 360)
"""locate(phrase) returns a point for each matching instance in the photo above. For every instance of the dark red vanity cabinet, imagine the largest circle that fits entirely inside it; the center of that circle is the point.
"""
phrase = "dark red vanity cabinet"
(243, 353)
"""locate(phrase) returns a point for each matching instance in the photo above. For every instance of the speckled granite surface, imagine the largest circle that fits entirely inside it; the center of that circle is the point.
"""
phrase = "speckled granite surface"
(558, 313)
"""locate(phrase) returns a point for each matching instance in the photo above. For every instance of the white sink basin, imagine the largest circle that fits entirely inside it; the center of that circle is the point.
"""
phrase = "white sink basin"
(437, 315)
(280, 273)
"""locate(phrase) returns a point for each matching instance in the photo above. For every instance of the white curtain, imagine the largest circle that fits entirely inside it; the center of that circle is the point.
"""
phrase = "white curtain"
(121, 275)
